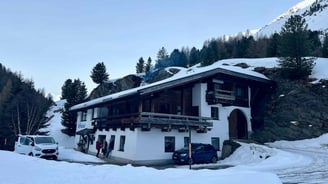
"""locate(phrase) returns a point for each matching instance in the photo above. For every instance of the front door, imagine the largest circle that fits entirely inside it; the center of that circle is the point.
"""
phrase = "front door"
(237, 125)
(23, 145)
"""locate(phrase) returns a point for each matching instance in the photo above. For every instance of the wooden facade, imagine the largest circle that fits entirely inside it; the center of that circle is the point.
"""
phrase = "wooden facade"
(167, 109)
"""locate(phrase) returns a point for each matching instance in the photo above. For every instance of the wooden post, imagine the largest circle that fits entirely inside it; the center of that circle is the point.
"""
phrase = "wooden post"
(190, 153)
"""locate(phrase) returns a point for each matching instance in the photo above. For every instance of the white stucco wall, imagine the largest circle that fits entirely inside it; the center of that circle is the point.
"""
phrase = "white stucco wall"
(151, 143)
(129, 146)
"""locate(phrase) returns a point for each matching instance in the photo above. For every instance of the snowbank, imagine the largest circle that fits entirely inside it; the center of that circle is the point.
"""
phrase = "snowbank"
(263, 158)
(35, 170)
(319, 144)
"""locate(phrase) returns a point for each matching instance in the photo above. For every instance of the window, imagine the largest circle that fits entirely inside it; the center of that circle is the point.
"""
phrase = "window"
(84, 115)
(27, 141)
(115, 111)
(112, 142)
(241, 92)
(99, 112)
(122, 142)
(217, 87)
(146, 106)
(216, 143)
(215, 113)
(102, 112)
(179, 109)
(186, 141)
(22, 140)
(93, 114)
(169, 144)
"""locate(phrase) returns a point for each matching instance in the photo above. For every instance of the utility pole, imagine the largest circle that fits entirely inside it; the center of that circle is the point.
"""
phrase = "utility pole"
(190, 156)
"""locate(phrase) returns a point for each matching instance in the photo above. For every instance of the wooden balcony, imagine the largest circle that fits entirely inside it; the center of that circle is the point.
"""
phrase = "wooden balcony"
(148, 120)
(224, 97)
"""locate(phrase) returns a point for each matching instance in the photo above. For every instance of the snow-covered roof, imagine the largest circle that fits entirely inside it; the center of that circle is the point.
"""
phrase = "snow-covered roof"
(184, 74)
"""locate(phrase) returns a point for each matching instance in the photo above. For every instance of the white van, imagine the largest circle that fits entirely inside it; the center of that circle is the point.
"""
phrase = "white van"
(37, 145)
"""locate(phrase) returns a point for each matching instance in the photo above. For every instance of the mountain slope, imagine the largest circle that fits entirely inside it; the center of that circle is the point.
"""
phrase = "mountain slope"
(55, 126)
(315, 13)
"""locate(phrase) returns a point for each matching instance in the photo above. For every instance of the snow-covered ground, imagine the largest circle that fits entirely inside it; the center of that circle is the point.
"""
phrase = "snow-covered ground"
(314, 149)
(289, 162)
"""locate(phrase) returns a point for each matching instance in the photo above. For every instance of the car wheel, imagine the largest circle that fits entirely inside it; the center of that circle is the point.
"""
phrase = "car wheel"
(30, 154)
(214, 159)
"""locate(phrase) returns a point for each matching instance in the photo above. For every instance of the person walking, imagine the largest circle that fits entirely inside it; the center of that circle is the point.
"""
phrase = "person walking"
(104, 148)
(110, 148)
(98, 147)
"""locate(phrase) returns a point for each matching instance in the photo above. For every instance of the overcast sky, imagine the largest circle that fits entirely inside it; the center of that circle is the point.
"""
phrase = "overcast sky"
(51, 41)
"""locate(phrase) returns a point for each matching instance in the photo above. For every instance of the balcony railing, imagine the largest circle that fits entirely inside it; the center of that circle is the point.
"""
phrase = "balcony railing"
(148, 120)
(220, 96)
(174, 119)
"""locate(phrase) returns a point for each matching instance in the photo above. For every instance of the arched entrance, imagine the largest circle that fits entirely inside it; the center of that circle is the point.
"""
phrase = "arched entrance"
(237, 125)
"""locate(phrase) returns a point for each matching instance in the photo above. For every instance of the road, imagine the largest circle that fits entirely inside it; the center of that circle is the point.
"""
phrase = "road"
(315, 173)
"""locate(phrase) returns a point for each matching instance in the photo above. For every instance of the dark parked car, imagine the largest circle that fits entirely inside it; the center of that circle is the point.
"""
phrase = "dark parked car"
(201, 153)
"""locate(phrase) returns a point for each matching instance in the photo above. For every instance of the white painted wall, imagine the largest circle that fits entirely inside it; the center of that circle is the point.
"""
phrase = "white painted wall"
(146, 145)
(151, 144)
(129, 147)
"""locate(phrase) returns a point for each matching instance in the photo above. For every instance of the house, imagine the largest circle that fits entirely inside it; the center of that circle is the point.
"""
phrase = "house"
(147, 124)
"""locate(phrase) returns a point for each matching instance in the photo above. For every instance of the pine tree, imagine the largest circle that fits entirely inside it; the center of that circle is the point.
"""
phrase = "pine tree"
(272, 50)
(207, 56)
(140, 65)
(194, 56)
(162, 59)
(178, 58)
(74, 92)
(148, 65)
(99, 74)
(162, 54)
(67, 91)
(293, 48)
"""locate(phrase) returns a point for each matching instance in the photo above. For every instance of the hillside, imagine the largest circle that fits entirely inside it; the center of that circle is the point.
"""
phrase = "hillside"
(55, 126)
(315, 13)
(296, 109)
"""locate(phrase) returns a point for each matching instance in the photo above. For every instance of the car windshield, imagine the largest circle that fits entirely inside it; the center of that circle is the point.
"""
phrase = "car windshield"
(42, 140)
